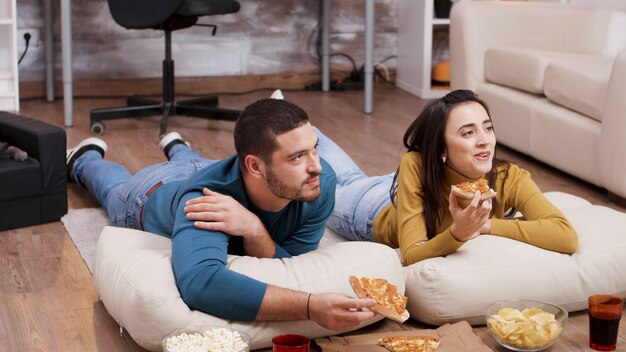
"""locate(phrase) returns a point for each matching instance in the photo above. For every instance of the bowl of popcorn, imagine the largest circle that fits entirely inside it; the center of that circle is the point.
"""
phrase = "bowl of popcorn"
(525, 325)
(212, 339)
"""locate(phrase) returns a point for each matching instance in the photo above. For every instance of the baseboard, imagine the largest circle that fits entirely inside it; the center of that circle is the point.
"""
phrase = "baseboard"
(616, 199)
(184, 85)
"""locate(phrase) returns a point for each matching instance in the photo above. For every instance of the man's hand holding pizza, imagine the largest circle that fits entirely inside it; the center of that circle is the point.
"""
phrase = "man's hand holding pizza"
(337, 311)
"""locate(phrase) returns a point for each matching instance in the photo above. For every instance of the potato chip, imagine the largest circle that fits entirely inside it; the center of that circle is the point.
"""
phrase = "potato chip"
(528, 329)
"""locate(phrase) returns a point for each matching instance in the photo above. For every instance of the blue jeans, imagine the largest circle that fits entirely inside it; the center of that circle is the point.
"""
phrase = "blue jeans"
(358, 198)
(123, 195)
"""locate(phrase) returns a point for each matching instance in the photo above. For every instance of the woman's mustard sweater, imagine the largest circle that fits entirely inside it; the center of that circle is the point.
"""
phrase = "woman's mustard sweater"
(404, 225)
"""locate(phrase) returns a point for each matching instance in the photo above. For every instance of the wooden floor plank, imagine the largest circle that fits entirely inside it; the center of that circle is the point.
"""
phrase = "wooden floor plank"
(61, 283)
(23, 327)
(77, 331)
(13, 278)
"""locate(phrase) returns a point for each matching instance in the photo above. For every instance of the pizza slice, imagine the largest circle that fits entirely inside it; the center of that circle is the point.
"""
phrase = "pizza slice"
(467, 189)
(389, 302)
(409, 343)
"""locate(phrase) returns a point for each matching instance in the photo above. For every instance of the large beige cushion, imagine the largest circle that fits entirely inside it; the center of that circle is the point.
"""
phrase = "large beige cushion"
(523, 68)
(579, 83)
(517, 68)
(490, 268)
(134, 278)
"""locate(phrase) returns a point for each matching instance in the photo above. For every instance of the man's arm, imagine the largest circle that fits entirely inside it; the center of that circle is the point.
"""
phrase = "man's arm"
(333, 311)
(206, 284)
(217, 212)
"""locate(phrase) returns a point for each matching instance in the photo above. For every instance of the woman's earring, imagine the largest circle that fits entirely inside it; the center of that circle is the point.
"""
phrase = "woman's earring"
(443, 159)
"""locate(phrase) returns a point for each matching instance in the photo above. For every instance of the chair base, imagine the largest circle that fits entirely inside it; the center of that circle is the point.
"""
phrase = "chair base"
(205, 107)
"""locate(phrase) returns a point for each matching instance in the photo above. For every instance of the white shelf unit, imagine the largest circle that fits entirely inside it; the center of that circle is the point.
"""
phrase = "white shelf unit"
(415, 47)
(9, 93)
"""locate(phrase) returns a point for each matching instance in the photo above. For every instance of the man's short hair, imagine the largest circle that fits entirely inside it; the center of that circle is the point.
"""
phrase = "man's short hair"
(260, 123)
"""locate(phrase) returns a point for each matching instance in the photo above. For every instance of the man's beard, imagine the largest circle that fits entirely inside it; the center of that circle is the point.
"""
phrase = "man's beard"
(285, 191)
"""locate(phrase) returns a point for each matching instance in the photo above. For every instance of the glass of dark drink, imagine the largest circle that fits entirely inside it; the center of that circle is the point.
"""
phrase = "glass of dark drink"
(605, 312)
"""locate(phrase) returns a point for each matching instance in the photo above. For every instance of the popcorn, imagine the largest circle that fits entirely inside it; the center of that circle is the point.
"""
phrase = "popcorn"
(213, 340)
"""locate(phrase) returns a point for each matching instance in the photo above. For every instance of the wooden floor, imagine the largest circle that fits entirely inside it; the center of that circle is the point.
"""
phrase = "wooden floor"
(47, 297)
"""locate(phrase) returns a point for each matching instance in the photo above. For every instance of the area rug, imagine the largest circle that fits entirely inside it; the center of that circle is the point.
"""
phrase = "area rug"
(84, 227)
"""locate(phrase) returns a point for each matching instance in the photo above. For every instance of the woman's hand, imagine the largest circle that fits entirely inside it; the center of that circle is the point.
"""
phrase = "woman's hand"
(471, 221)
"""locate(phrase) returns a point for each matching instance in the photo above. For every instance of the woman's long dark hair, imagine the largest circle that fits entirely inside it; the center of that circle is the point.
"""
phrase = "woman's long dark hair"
(426, 135)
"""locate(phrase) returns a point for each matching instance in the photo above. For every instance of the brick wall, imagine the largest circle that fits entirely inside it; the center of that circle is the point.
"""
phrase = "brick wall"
(265, 37)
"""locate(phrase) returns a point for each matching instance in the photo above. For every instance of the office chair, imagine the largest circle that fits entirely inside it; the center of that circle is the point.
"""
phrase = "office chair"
(166, 15)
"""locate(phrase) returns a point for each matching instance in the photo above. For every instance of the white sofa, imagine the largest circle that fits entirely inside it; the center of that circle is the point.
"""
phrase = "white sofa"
(554, 77)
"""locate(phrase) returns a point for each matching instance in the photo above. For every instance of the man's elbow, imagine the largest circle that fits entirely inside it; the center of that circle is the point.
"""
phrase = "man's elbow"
(197, 290)
(193, 295)
(212, 295)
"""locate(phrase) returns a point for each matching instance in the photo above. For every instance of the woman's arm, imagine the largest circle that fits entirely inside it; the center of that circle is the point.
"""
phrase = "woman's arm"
(543, 225)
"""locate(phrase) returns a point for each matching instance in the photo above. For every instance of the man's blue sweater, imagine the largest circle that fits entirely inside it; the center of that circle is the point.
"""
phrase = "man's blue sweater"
(199, 256)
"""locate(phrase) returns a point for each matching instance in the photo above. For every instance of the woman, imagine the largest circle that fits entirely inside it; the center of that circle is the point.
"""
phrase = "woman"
(451, 141)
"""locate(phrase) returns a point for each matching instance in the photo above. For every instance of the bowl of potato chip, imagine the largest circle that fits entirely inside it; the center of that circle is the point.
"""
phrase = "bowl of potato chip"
(525, 325)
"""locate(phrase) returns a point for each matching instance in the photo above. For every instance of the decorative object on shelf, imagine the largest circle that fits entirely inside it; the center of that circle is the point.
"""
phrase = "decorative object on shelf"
(441, 74)
(442, 8)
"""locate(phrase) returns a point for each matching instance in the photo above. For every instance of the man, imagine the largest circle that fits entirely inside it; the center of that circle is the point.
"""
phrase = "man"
(270, 200)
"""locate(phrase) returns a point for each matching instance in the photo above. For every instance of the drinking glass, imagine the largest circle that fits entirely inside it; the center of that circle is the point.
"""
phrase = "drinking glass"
(605, 312)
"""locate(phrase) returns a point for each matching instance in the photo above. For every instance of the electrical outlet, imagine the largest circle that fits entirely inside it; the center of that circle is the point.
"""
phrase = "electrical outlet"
(34, 37)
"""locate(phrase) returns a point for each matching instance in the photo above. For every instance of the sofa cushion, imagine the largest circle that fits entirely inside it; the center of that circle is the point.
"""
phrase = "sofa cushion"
(491, 268)
(579, 83)
(133, 275)
(523, 68)
(519, 68)
(19, 179)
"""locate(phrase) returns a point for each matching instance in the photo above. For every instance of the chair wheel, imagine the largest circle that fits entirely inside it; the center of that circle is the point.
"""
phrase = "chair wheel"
(97, 128)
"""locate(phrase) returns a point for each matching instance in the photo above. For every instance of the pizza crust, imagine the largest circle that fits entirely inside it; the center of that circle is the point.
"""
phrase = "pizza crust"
(463, 189)
(361, 292)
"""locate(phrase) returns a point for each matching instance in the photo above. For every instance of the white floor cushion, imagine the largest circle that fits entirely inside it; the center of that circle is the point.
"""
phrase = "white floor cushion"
(490, 268)
(134, 278)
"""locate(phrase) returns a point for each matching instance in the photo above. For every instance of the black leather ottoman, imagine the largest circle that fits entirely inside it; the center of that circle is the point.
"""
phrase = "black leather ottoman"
(33, 191)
